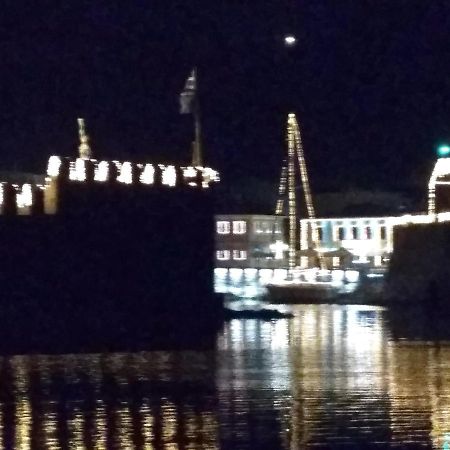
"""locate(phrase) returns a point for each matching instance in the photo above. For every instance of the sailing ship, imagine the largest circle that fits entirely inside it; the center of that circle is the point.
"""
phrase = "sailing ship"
(315, 285)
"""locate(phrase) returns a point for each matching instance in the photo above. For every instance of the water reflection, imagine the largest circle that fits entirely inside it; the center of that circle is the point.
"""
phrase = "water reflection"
(332, 377)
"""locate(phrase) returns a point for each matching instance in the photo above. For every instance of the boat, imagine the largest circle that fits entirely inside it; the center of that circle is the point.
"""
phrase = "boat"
(301, 292)
(301, 286)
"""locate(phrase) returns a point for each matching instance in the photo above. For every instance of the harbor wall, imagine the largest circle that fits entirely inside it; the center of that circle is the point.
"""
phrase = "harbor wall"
(419, 272)
(114, 266)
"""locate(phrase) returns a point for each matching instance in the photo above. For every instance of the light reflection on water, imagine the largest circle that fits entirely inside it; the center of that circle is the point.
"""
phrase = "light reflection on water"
(329, 378)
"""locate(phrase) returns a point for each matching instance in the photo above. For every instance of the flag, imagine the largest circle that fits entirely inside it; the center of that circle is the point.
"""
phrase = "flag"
(187, 95)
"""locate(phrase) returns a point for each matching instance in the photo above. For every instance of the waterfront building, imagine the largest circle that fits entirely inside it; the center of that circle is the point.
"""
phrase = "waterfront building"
(258, 241)
(250, 241)
(348, 241)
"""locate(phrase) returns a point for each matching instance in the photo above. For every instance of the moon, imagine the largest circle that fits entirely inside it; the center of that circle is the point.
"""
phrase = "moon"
(290, 40)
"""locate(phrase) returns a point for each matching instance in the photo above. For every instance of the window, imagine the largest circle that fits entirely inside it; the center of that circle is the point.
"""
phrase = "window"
(239, 254)
(368, 232)
(336, 261)
(223, 255)
(277, 228)
(223, 227)
(319, 233)
(239, 226)
(354, 232)
(341, 233)
(383, 233)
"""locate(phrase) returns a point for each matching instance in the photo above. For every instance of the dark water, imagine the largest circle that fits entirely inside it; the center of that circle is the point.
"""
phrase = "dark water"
(332, 377)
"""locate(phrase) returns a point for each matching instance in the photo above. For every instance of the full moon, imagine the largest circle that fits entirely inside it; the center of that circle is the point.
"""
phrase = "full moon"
(289, 40)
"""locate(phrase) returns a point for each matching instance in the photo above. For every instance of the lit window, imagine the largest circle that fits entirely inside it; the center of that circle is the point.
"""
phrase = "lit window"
(239, 226)
(239, 254)
(304, 261)
(223, 227)
(377, 260)
(277, 228)
(336, 261)
(223, 255)
(260, 227)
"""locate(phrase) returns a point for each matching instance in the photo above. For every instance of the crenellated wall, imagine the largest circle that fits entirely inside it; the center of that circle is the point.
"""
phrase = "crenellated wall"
(108, 255)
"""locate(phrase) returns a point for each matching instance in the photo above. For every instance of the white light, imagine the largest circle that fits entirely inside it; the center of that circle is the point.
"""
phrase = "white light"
(54, 164)
(126, 173)
(209, 176)
(189, 174)
(25, 196)
(239, 226)
(169, 176)
(102, 171)
(148, 174)
(2, 193)
(290, 40)
(236, 274)
(352, 276)
(250, 273)
(278, 248)
(80, 169)
(223, 227)
(220, 272)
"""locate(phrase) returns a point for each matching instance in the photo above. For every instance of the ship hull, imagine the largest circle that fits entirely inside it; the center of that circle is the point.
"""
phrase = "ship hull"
(302, 293)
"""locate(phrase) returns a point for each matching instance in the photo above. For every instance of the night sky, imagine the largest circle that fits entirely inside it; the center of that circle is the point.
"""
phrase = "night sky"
(369, 80)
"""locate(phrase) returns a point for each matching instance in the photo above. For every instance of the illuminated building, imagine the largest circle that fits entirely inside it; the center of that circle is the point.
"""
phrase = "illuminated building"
(368, 240)
(250, 241)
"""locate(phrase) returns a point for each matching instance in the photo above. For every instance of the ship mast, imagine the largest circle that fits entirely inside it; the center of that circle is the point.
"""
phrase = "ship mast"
(307, 192)
(84, 148)
(292, 204)
(287, 181)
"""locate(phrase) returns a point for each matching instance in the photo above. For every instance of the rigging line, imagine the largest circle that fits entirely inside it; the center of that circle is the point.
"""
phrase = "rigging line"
(307, 191)
(281, 189)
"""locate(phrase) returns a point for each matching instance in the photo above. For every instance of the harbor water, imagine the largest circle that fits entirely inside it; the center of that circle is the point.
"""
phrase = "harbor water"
(330, 377)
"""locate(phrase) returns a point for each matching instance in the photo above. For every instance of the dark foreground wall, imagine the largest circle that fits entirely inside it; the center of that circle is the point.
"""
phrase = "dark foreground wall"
(419, 273)
(118, 267)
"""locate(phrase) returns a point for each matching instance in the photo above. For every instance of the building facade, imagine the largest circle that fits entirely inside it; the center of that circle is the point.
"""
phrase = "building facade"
(250, 241)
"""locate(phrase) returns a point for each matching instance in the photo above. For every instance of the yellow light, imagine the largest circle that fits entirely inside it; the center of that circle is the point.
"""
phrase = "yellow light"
(54, 165)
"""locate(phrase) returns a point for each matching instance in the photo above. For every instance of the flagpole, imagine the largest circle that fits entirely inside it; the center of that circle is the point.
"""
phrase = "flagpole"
(197, 157)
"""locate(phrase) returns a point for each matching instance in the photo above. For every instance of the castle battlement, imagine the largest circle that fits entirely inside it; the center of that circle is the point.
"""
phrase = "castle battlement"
(107, 254)
(34, 199)
(158, 175)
